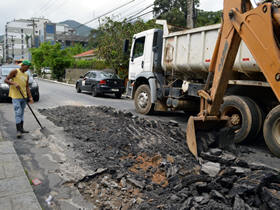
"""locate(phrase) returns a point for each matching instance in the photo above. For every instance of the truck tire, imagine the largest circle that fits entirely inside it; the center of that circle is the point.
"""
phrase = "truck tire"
(142, 100)
(271, 131)
(245, 115)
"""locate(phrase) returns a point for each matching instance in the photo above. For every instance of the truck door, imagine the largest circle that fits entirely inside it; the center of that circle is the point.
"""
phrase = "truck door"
(136, 64)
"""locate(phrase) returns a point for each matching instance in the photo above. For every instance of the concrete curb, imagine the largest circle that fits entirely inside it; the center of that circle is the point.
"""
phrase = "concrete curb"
(54, 81)
(18, 193)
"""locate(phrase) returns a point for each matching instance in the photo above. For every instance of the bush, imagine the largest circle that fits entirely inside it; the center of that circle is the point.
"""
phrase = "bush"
(89, 64)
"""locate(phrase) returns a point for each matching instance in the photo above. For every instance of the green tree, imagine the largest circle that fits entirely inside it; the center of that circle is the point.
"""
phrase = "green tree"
(174, 11)
(111, 37)
(52, 56)
(208, 18)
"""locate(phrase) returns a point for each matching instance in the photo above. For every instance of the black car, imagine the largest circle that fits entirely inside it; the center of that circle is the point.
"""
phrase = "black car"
(100, 82)
(4, 88)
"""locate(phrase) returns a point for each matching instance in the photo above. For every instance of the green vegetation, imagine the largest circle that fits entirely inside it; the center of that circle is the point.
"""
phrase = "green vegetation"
(175, 12)
(109, 40)
(89, 64)
(109, 37)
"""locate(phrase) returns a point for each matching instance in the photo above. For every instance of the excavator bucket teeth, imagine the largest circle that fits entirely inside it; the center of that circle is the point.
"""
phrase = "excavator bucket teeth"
(202, 132)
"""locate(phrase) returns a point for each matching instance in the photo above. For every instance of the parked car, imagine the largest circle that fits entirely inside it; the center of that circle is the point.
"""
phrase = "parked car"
(46, 70)
(100, 82)
(4, 88)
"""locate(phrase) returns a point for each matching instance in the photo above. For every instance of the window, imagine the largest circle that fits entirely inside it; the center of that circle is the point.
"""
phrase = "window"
(139, 45)
(87, 75)
(108, 75)
(92, 75)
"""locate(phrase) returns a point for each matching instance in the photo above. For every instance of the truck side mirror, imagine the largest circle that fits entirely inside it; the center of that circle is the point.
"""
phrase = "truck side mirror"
(81, 77)
(125, 46)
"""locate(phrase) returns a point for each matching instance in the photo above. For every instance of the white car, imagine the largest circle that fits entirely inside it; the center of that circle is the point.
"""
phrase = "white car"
(46, 70)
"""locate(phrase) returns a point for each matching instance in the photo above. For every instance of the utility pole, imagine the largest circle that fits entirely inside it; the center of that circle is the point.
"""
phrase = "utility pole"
(191, 14)
(33, 24)
(13, 43)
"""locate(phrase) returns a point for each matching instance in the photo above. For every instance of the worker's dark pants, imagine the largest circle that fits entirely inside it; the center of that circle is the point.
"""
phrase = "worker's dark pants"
(19, 106)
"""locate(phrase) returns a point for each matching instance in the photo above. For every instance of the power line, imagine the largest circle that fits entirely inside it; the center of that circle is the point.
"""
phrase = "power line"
(131, 13)
(142, 10)
(141, 15)
(105, 14)
(43, 8)
(133, 6)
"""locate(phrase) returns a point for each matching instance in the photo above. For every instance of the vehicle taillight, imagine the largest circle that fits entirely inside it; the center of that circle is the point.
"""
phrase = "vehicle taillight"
(102, 82)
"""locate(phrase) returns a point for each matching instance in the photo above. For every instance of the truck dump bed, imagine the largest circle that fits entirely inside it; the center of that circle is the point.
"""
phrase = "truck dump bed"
(189, 52)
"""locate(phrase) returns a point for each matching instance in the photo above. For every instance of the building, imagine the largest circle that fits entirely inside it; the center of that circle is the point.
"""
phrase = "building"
(88, 55)
(23, 34)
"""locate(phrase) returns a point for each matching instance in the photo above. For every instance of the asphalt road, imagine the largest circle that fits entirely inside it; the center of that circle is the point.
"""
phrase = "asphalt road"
(42, 158)
(42, 161)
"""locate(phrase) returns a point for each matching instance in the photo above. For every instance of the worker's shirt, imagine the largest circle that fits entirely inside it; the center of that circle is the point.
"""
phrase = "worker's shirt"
(21, 80)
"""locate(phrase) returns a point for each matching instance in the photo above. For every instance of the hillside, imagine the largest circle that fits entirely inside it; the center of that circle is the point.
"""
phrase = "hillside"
(82, 30)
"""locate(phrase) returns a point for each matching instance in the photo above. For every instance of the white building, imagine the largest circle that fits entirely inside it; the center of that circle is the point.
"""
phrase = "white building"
(21, 35)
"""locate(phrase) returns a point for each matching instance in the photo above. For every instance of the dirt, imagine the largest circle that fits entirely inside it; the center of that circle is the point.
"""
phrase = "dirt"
(145, 164)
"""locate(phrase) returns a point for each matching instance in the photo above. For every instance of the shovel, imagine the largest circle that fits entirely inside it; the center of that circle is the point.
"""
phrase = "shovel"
(43, 130)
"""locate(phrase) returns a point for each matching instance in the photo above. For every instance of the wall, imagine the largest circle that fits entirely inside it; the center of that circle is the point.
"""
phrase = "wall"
(72, 75)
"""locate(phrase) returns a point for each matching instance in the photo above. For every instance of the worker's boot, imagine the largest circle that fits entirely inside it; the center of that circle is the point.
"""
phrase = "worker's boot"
(18, 130)
(22, 129)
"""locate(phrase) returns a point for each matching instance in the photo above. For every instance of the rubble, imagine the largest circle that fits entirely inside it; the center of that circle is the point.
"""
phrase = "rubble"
(145, 164)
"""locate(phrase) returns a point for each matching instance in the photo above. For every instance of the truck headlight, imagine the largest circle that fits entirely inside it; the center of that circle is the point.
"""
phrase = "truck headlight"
(4, 86)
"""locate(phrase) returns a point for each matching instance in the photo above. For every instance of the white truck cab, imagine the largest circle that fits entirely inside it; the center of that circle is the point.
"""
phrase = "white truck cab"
(142, 53)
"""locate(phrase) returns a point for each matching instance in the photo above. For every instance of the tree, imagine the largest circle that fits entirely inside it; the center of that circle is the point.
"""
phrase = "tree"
(52, 56)
(208, 18)
(174, 11)
(111, 37)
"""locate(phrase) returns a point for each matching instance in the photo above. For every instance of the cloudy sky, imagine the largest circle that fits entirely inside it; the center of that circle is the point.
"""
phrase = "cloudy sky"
(81, 10)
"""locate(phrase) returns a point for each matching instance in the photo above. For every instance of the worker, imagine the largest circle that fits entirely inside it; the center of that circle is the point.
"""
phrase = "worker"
(19, 90)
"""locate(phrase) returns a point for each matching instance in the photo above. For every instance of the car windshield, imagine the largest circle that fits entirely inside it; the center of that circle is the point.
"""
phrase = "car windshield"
(6, 70)
(108, 75)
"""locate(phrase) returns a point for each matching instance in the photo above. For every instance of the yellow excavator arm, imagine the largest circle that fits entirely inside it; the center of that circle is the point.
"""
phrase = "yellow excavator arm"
(259, 28)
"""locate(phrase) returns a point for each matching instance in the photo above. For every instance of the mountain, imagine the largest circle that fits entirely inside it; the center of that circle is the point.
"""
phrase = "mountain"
(82, 30)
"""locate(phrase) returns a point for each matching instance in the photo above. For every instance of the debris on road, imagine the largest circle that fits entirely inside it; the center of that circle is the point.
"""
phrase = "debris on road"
(145, 164)
(36, 182)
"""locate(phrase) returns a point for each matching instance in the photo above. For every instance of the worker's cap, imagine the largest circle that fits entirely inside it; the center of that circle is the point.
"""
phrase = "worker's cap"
(26, 63)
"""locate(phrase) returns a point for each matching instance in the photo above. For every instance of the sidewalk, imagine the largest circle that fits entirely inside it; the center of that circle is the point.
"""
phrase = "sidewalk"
(15, 189)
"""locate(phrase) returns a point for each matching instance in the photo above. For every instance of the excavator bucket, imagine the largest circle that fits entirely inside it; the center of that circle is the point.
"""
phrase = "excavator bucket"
(206, 131)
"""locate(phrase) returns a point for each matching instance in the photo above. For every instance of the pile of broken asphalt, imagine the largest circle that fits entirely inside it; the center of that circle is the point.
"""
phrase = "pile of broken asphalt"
(145, 164)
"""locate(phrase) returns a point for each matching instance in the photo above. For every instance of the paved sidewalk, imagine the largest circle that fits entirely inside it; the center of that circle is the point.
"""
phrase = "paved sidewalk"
(15, 189)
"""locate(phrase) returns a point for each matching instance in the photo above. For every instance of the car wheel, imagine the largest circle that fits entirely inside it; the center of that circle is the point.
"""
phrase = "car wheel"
(118, 95)
(78, 89)
(142, 100)
(37, 97)
(94, 92)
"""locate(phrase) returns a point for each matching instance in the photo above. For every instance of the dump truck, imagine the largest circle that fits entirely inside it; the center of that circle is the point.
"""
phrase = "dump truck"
(173, 70)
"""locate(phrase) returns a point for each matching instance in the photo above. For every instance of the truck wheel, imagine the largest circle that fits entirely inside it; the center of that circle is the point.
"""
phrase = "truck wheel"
(271, 131)
(142, 100)
(245, 115)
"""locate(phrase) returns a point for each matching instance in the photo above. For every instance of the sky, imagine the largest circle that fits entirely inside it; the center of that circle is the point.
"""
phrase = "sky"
(81, 10)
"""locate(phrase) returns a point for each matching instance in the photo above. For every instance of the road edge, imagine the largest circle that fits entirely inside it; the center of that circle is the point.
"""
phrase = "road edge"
(54, 81)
